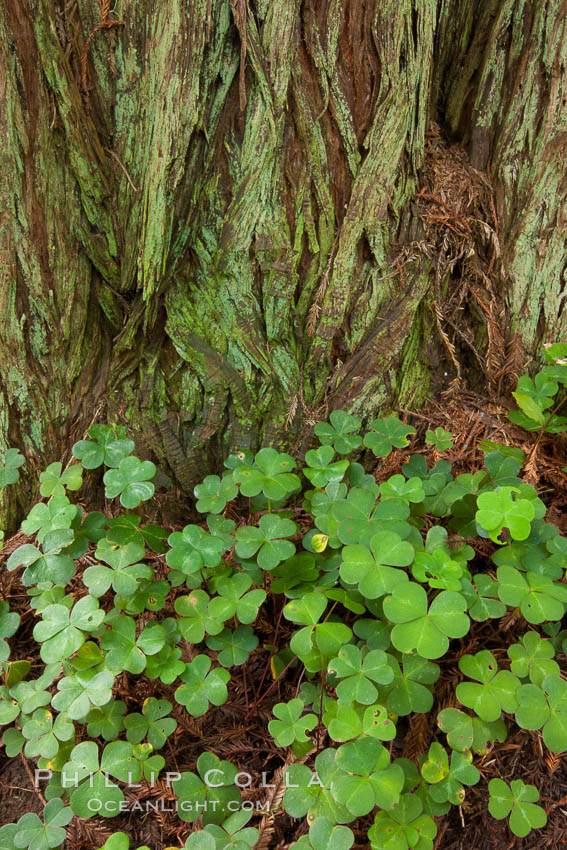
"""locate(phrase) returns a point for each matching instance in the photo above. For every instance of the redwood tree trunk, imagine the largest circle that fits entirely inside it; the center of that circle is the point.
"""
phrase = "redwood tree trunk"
(222, 218)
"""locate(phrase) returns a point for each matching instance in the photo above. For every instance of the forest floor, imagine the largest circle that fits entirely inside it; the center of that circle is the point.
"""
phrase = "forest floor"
(237, 730)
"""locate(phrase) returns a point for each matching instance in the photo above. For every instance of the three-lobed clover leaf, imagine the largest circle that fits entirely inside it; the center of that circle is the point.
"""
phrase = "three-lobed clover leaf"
(195, 619)
(130, 481)
(268, 541)
(546, 707)
(125, 529)
(538, 597)
(79, 692)
(447, 778)
(233, 599)
(470, 733)
(407, 490)
(328, 636)
(359, 673)
(43, 733)
(92, 793)
(9, 467)
(385, 434)
(211, 794)
(213, 493)
(61, 631)
(367, 779)
(43, 518)
(193, 548)
(106, 721)
(308, 792)
(374, 571)
(270, 474)
(440, 439)
(324, 835)
(48, 568)
(493, 690)
(125, 650)
(107, 446)
(202, 686)
(233, 647)
(54, 481)
(9, 622)
(402, 827)
(498, 509)
(348, 720)
(533, 657)
(410, 691)
(518, 801)
(291, 724)
(340, 432)
(424, 629)
(321, 469)
(124, 572)
(36, 834)
(232, 834)
(153, 722)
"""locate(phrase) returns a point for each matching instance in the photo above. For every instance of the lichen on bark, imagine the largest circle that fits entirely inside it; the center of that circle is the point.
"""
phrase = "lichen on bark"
(224, 236)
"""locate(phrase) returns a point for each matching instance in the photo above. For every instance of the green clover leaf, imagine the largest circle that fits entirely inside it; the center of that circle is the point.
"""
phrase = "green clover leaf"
(107, 446)
(271, 475)
(125, 651)
(266, 540)
(309, 792)
(208, 794)
(202, 686)
(235, 601)
(533, 657)
(538, 597)
(231, 835)
(233, 647)
(124, 572)
(324, 835)
(153, 722)
(291, 724)
(470, 733)
(480, 595)
(37, 835)
(92, 793)
(403, 827)
(359, 672)
(385, 434)
(320, 469)
(427, 631)
(441, 439)
(124, 529)
(53, 480)
(367, 778)
(407, 490)
(106, 721)
(339, 433)
(213, 493)
(9, 467)
(9, 622)
(409, 690)
(348, 720)
(498, 509)
(43, 518)
(43, 734)
(447, 778)
(195, 618)
(495, 691)
(61, 632)
(130, 481)
(192, 549)
(519, 802)
(81, 691)
(545, 707)
(374, 574)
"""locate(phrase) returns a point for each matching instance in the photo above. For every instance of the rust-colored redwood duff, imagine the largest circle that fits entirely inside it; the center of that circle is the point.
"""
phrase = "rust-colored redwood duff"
(226, 217)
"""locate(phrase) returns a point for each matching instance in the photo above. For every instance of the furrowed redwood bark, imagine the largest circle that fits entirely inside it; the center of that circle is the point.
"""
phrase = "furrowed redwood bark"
(256, 212)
